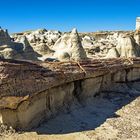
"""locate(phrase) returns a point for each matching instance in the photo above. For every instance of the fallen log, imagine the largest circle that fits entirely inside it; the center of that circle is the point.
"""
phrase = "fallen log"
(25, 85)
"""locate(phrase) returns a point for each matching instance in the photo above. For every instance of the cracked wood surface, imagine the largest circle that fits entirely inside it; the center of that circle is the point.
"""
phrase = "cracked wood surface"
(20, 80)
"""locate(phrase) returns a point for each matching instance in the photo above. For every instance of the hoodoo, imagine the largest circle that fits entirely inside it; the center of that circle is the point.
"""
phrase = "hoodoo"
(70, 44)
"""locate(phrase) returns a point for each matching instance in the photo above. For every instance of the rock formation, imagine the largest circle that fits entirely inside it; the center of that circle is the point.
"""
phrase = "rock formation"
(77, 51)
(113, 53)
(47, 45)
(98, 44)
(4, 37)
(41, 42)
(42, 36)
(28, 52)
(32, 92)
(137, 37)
(127, 47)
(7, 52)
(71, 45)
(76, 67)
(8, 48)
(87, 42)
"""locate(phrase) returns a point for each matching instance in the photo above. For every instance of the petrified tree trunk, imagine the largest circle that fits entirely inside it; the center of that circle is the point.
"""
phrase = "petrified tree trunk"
(32, 92)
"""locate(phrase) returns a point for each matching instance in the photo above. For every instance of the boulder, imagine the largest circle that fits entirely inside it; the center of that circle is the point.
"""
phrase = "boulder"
(62, 56)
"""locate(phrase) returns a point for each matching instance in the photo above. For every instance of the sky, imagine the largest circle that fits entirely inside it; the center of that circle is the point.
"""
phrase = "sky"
(63, 15)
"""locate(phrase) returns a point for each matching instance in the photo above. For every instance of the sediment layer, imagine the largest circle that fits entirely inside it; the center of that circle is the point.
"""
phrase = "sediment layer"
(31, 92)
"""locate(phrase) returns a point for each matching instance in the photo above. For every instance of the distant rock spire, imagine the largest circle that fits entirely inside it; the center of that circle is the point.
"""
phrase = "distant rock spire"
(70, 46)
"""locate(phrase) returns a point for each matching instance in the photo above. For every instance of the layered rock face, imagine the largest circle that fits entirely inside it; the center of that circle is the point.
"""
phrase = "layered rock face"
(33, 92)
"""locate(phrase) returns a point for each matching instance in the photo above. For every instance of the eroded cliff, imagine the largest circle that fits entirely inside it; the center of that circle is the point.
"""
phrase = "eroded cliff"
(32, 92)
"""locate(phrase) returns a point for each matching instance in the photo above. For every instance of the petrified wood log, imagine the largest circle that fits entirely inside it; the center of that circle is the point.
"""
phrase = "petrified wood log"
(33, 91)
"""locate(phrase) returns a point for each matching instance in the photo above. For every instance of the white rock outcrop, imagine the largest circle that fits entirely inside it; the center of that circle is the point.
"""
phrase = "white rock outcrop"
(46, 45)
(127, 47)
(8, 48)
(70, 44)
(112, 53)
(137, 37)
(87, 42)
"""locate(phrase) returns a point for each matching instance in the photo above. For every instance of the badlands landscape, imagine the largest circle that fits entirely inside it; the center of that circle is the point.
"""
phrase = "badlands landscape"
(47, 45)
(70, 85)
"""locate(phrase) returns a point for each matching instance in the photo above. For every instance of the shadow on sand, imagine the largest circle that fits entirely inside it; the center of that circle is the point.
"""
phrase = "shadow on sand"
(87, 116)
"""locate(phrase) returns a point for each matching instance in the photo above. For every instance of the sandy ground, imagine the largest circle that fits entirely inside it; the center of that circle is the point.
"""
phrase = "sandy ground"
(113, 116)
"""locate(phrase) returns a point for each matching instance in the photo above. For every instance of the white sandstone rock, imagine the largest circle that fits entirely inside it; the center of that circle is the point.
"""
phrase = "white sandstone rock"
(70, 43)
(112, 53)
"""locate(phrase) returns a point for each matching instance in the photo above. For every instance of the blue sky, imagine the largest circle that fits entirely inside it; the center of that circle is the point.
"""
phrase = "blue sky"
(63, 15)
